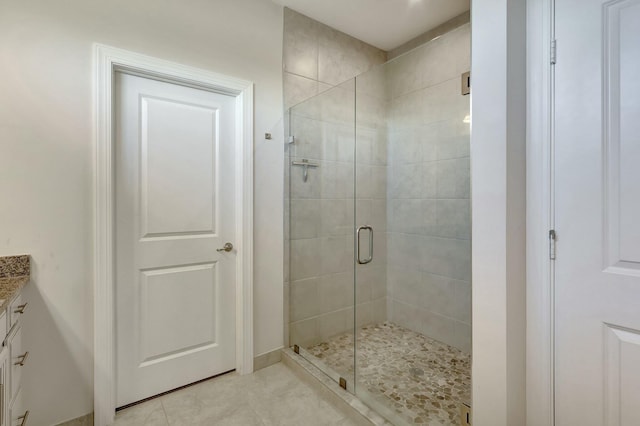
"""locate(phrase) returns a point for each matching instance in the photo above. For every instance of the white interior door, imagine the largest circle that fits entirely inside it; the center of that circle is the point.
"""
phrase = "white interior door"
(175, 293)
(597, 184)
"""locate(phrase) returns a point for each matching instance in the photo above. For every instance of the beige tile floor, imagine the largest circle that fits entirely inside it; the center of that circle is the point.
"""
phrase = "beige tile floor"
(271, 396)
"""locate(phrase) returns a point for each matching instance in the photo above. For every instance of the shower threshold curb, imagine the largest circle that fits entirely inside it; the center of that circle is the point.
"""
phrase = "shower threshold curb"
(350, 405)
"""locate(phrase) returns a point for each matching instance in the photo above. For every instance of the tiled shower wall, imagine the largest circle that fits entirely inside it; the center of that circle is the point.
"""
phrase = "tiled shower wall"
(318, 288)
(429, 217)
(317, 57)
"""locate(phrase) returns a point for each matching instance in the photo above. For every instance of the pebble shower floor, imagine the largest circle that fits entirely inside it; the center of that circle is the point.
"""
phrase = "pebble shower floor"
(422, 379)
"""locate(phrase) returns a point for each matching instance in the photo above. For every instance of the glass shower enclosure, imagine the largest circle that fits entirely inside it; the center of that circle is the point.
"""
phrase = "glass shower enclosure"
(378, 234)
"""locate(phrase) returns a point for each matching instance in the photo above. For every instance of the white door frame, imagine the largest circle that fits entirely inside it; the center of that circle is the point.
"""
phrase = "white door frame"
(540, 214)
(107, 61)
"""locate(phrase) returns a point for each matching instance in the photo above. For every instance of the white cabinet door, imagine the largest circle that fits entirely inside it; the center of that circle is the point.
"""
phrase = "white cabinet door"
(17, 360)
(18, 415)
(175, 189)
(4, 389)
(597, 196)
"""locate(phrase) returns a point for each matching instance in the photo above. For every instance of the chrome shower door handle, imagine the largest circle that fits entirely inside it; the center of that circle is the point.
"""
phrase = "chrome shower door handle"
(370, 258)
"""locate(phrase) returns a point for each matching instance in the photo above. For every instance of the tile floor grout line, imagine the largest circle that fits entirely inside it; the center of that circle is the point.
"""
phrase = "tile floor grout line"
(164, 411)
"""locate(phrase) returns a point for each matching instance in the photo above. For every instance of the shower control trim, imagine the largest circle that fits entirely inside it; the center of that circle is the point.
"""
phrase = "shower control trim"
(305, 164)
(370, 257)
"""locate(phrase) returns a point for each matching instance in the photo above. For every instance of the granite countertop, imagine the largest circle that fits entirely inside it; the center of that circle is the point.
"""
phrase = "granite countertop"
(15, 272)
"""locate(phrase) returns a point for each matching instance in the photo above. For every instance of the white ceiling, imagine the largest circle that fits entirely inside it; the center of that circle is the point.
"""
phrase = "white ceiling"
(385, 24)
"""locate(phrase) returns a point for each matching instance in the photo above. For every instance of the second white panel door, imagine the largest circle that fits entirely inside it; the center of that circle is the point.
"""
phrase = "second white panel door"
(175, 192)
(597, 211)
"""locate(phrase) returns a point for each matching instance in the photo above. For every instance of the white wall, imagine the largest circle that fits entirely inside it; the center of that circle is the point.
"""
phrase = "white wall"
(46, 160)
(498, 211)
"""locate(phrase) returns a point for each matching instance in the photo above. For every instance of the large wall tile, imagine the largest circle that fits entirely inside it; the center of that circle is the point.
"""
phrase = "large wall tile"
(300, 49)
(305, 215)
(407, 216)
(453, 139)
(438, 327)
(461, 336)
(447, 257)
(407, 146)
(364, 181)
(406, 181)
(454, 218)
(308, 138)
(378, 278)
(380, 314)
(297, 89)
(453, 178)
(304, 333)
(336, 217)
(379, 176)
(335, 292)
(304, 258)
(440, 60)
(379, 215)
(337, 179)
(408, 316)
(406, 250)
(405, 73)
(341, 57)
(463, 307)
(364, 314)
(336, 254)
(379, 250)
(338, 141)
(304, 298)
(440, 295)
(364, 284)
(334, 323)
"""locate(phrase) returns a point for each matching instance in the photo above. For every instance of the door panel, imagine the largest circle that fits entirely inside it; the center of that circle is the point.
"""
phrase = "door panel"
(187, 293)
(177, 199)
(175, 293)
(597, 193)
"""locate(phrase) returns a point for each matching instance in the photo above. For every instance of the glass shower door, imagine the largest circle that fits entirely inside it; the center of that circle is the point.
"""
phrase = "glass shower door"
(321, 231)
(413, 299)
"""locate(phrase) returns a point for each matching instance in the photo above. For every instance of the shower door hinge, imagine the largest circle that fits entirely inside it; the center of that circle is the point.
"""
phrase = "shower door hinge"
(554, 52)
(465, 414)
(552, 244)
(296, 349)
(343, 383)
(291, 139)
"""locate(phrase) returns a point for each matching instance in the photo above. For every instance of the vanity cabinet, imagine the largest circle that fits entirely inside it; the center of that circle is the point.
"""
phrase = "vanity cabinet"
(13, 361)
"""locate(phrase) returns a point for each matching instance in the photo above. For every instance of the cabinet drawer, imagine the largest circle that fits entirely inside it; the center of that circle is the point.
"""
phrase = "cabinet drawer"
(16, 309)
(18, 414)
(17, 361)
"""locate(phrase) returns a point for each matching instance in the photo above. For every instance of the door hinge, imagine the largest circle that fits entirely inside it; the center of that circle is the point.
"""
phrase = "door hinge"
(554, 52)
(552, 244)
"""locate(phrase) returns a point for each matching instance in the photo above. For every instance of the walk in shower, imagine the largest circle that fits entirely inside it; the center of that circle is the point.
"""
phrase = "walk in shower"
(379, 233)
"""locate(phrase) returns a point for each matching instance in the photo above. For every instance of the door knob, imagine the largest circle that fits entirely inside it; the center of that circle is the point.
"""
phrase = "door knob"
(227, 247)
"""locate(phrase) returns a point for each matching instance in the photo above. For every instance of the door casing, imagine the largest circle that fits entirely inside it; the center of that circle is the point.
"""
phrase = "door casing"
(107, 61)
